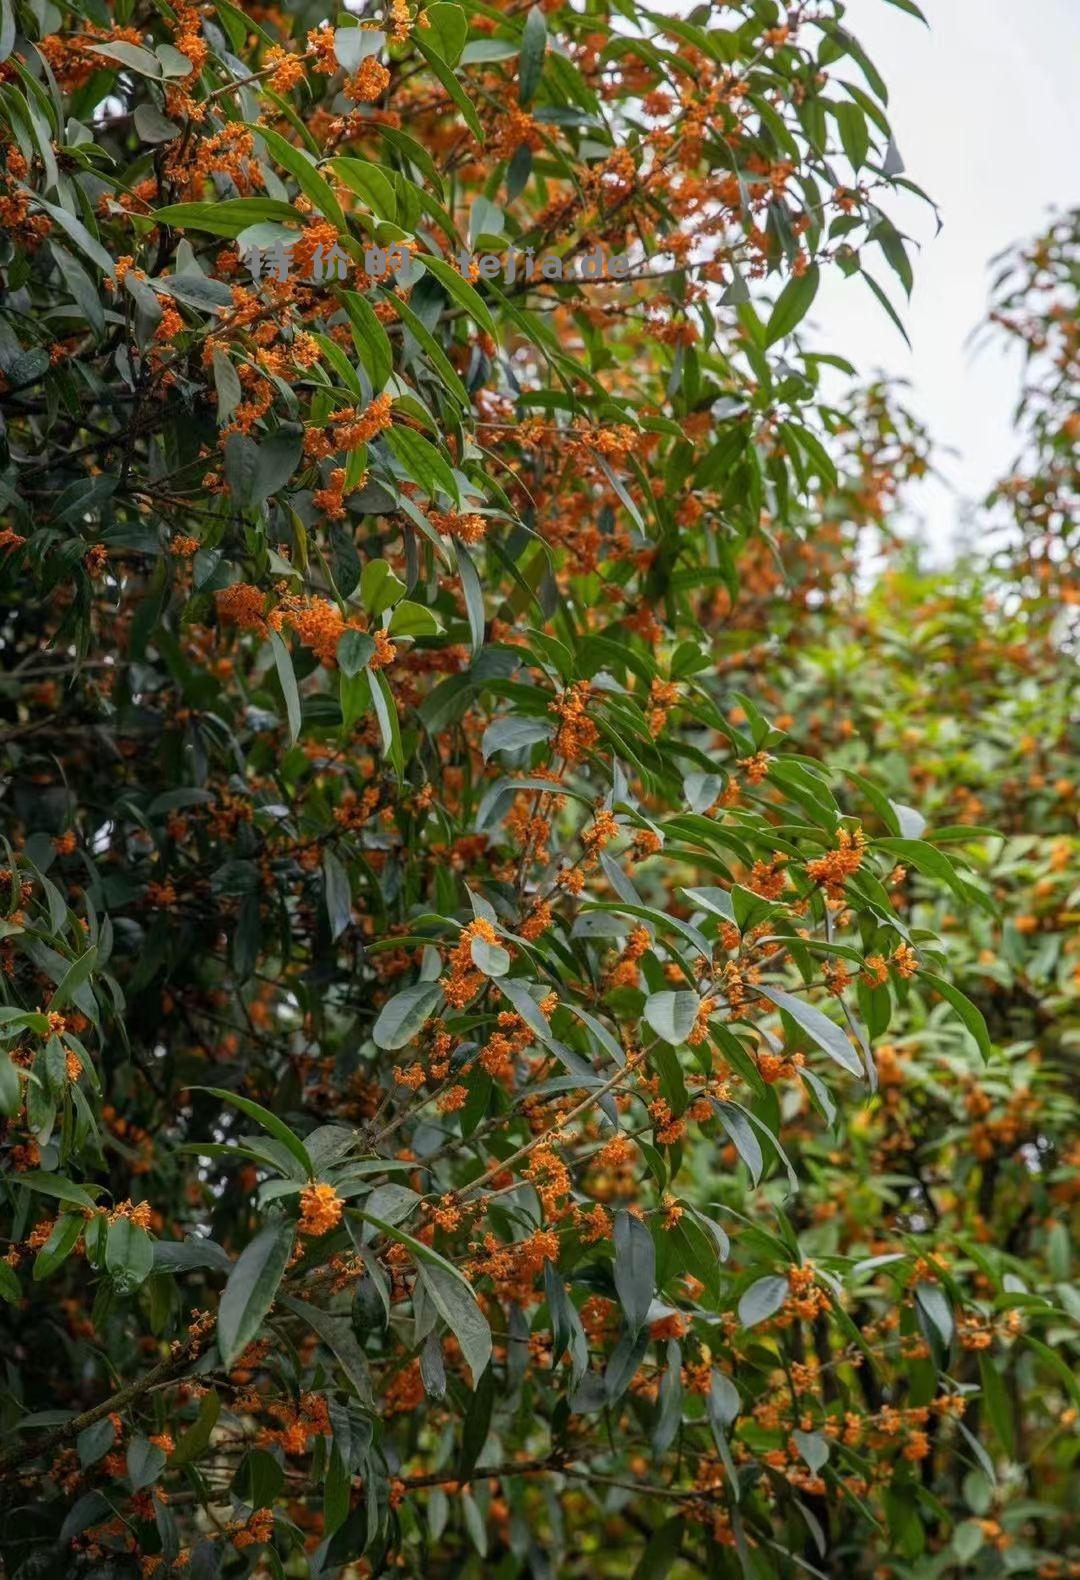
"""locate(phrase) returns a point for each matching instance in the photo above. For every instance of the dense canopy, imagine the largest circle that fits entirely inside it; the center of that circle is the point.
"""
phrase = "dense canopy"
(538, 1008)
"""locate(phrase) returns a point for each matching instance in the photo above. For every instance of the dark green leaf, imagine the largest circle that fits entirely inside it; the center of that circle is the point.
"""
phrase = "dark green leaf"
(793, 304)
(635, 1268)
(251, 1288)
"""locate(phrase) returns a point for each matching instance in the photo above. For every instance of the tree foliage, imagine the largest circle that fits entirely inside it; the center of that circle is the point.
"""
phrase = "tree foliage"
(535, 1014)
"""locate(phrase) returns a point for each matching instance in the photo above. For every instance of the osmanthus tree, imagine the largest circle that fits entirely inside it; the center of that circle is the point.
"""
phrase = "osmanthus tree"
(416, 951)
(954, 690)
(1037, 303)
(955, 705)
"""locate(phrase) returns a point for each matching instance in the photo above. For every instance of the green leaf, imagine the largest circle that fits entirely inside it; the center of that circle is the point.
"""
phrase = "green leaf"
(152, 126)
(10, 1288)
(888, 306)
(370, 339)
(820, 462)
(474, 1430)
(1061, 1369)
(287, 678)
(763, 1299)
(456, 1304)
(567, 1332)
(336, 1331)
(813, 1447)
(79, 234)
(935, 1316)
(661, 1550)
(312, 184)
(718, 901)
(968, 1538)
(967, 1011)
(635, 1268)
(793, 304)
(473, 592)
(423, 1254)
(198, 1251)
(353, 651)
(406, 1014)
(911, 8)
(94, 1441)
(533, 50)
(669, 1402)
(132, 56)
(195, 290)
(338, 894)
(14, 1020)
(452, 86)
(930, 861)
(660, 919)
(912, 823)
(491, 959)
(197, 1437)
(447, 30)
(129, 1253)
(825, 1032)
(259, 1479)
(83, 289)
(998, 1406)
(55, 1185)
(65, 1232)
(76, 974)
(415, 153)
(174, 63)
(724, 1401)
(513, 734)
(414, 619)
(672, 1015)
(465, 294)
(145, 1462)
(353, 45)
(422, 462)
(437, 356)
(7, 28)
(227, 218)
(854, 135)
(741, 1134)
(526, 1006)
(252, 1285)
(380, 589)
(230, 391)
(386, 712)
(369, 182)
(10, 1086)
(276, 459)
(270, 1122)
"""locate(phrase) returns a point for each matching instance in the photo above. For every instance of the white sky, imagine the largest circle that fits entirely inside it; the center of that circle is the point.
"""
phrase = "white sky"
(985, 110)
